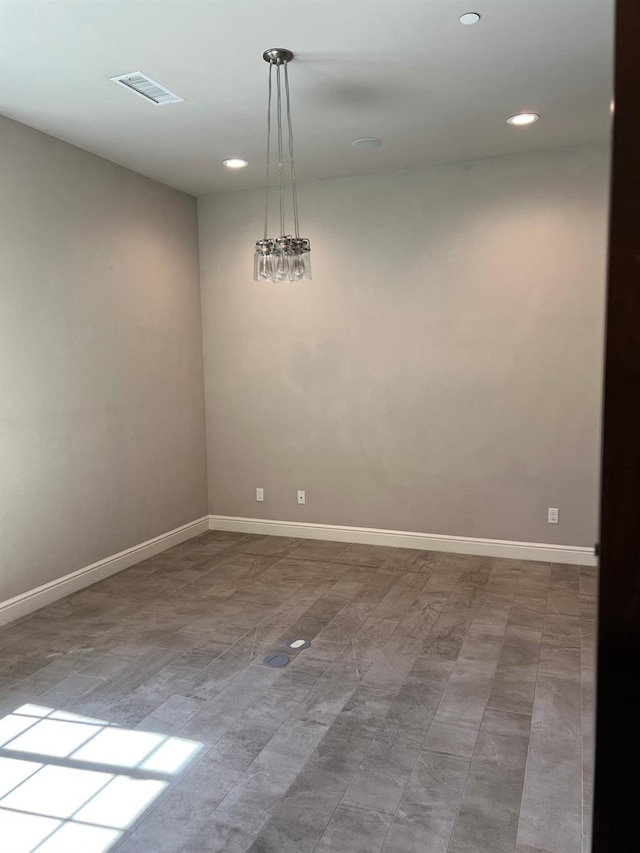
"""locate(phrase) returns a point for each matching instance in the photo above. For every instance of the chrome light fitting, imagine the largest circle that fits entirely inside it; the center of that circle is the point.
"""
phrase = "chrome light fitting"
(287, 257)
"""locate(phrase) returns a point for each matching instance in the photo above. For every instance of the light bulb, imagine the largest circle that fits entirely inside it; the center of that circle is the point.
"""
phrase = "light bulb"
(297, 267)
(282, 267)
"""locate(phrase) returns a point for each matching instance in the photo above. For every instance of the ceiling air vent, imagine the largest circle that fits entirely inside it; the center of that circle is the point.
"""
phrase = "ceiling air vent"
(139, 83)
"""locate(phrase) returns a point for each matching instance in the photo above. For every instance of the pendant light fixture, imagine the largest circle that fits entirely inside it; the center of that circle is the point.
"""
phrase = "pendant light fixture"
(287, 257)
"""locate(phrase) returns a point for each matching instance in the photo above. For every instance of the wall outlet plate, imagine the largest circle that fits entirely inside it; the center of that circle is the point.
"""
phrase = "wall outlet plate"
(301, 497)
(259, 494)
(553, 515)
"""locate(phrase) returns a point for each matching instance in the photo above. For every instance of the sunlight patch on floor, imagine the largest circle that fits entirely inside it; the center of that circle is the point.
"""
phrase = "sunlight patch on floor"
(74, 784)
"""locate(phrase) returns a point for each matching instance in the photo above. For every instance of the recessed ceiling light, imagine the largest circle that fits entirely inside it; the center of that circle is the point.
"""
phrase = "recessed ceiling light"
(235, 163)
(469, 18)
(367, 142)
(523, 118)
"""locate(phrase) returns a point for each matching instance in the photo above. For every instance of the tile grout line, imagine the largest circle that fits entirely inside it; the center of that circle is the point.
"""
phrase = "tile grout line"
(535, 694)
(426, 734)
(581, 705)
(455, 821)
(340, 801)
(582, 716)
(357, 685)
(212, 746)
(244, 774)
(434, 716)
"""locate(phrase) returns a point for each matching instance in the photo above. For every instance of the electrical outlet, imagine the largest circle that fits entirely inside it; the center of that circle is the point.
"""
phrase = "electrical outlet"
(301, 497)
(552, 515)
(259, 494)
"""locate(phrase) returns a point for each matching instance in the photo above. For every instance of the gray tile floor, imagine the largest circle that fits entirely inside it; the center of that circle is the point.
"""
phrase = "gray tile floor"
(445, 703)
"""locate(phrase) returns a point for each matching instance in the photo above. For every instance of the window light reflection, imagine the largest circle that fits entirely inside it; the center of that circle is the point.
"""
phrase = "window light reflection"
(74, 784)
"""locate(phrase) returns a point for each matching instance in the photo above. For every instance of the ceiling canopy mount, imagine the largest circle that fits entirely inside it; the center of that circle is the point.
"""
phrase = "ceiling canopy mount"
(278, 55)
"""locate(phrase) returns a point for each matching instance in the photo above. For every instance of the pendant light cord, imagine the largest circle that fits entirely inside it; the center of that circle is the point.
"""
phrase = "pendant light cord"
(266, 204)
(293, 167)
(280, 152)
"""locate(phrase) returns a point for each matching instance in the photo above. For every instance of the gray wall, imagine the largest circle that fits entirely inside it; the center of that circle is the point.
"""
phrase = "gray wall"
(442, 372)
(102, 438)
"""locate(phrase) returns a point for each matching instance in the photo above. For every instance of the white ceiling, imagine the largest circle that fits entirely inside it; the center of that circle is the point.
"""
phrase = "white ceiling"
(404, 70)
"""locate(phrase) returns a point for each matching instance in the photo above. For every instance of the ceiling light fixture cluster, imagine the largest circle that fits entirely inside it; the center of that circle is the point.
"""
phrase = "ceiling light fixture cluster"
(287, 257)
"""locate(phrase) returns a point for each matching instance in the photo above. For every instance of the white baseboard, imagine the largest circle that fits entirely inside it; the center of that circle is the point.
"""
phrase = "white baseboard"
(34, 599)
(572, 554)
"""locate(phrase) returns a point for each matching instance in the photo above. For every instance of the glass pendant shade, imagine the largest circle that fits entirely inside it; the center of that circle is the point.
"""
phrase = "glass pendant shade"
(301, 261)
(263, 261)
(263, 268)
(284, 258)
